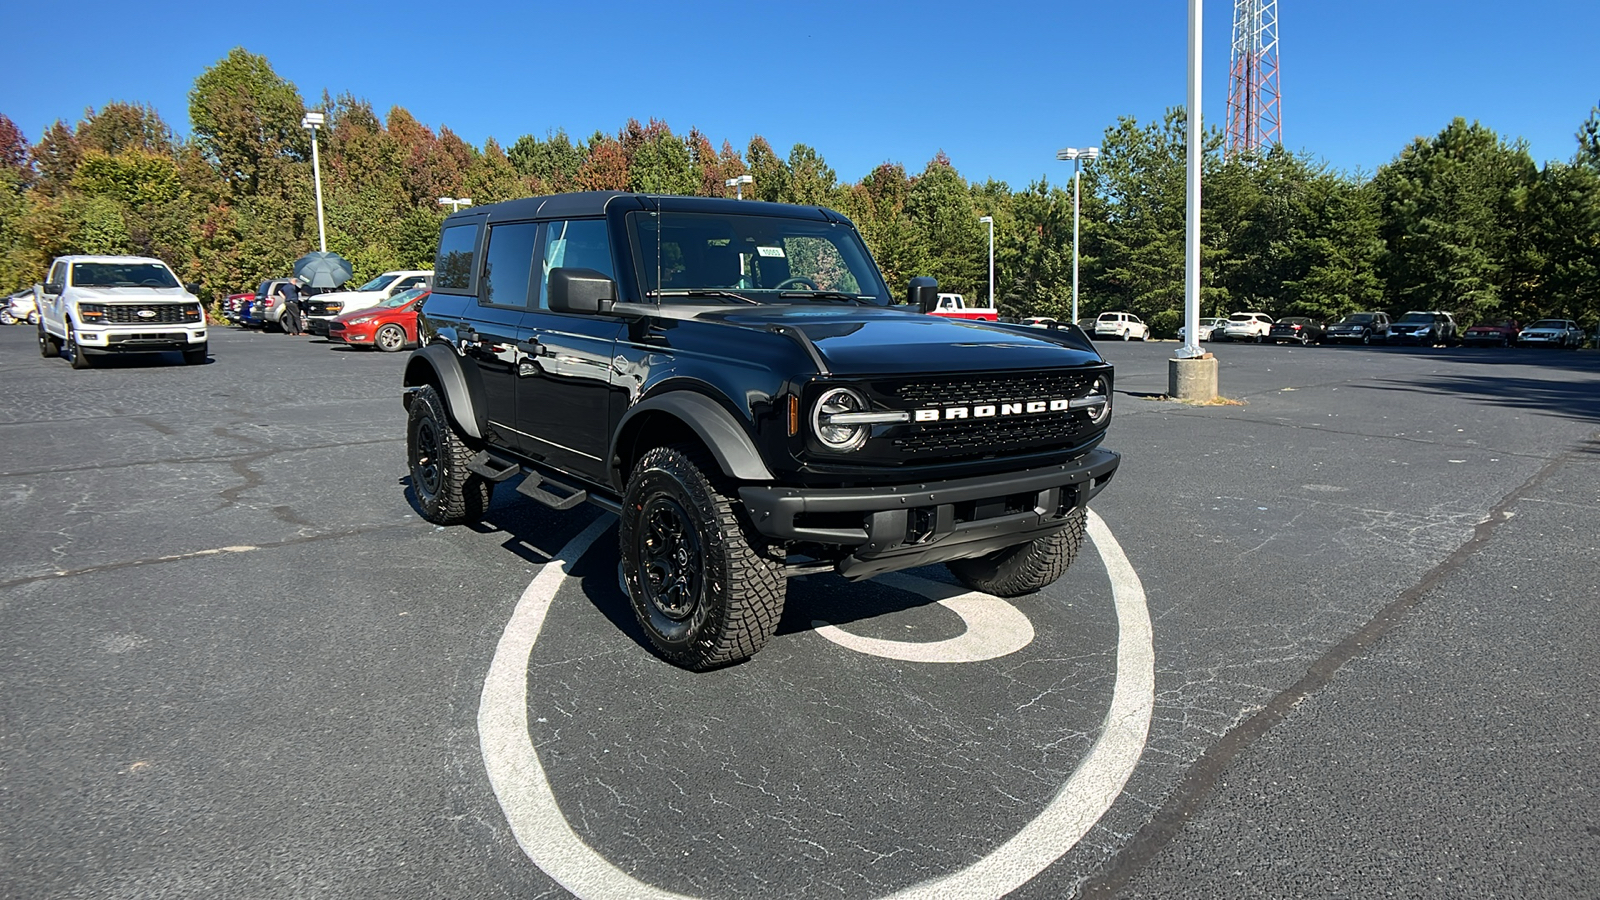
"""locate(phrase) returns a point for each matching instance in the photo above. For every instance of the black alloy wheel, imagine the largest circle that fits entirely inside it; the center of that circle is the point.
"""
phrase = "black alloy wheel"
(701, 584)
(447, 492)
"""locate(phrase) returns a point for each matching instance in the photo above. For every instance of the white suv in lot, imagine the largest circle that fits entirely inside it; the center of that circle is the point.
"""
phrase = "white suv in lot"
(99, 305)
(1126, 326)
(324, 308)
(1247, 326)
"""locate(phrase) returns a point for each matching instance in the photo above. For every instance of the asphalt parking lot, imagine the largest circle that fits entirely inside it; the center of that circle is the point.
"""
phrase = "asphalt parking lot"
(235, 662)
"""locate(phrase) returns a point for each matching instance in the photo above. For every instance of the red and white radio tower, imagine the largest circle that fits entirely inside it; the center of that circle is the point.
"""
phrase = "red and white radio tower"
(1254, 122)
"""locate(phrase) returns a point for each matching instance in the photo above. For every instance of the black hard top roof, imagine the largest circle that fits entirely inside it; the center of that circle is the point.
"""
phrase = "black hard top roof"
(596, 203)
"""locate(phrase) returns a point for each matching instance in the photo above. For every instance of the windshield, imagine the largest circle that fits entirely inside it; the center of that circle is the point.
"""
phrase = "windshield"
(402, 298)
(1356, 319)
(153, 275)
(1241, 317)
(758, 259)
(1416, 319)
(1550, 323)
(378, 284)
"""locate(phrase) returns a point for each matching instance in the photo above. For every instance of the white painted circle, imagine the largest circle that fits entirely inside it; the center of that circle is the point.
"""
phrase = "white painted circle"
(995, 628)
(530, 806)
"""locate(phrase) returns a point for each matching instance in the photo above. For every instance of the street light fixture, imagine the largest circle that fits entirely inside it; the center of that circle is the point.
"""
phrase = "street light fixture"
(990, 220)
(1077, 157)
(455, 203)
(311, 121)
(738, 184)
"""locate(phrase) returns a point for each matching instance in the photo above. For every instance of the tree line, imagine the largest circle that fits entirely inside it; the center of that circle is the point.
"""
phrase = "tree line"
(1464, 221)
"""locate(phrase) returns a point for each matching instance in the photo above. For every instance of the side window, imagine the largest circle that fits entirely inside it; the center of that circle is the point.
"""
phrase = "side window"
(454, 262)
(58, 274)
(508, 263)
(576, 244)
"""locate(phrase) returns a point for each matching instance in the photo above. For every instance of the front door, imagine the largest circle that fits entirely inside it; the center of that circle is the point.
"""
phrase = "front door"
(563, 392)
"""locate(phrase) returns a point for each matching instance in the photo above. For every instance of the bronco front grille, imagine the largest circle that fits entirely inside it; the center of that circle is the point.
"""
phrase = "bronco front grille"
(143, 314)
(997, 422)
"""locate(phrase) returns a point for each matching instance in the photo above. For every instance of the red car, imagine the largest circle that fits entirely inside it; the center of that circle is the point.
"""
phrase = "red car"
(389, 326)
(1499, 333)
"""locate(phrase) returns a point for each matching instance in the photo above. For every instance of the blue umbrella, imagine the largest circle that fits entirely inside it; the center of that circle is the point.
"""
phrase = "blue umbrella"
(322, 270)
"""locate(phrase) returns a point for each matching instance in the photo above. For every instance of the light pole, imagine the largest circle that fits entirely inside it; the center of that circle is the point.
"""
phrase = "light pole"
(455, 202)
(990, 220)
(1077, 156)
(738, 184)
(312, 121)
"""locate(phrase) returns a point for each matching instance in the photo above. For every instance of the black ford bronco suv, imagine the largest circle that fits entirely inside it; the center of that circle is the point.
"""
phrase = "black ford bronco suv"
(733, 380)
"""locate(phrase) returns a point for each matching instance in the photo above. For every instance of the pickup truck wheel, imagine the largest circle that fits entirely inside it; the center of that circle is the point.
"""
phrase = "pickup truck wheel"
(447, 492)
(49, 347)
(80, 359)
(1024, 568)
(699, 585)
(389, 338)
(195, 356)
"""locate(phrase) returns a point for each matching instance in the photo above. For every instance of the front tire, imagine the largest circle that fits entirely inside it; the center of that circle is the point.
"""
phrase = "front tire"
(6, 318)
(389, 338)
(699, 584)
(80, 359)
(195, 356)
(447, 492)
(1024, 568)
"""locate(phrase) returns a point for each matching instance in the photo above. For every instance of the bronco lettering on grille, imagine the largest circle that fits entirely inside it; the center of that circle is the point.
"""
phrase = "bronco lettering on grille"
(993, 410)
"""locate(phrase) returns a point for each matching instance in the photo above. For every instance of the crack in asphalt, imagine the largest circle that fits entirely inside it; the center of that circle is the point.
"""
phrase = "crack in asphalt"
(177, 460)
(357, 531)
(1201, 779)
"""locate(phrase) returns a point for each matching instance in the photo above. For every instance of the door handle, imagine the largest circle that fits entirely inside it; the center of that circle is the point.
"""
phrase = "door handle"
(532, 348)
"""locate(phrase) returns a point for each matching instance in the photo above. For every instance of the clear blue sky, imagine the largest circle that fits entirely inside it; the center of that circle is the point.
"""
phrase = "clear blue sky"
(998, 86)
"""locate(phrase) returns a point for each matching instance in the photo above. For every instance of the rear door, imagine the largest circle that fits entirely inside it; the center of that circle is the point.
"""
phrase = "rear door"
(491, 329)
(565, 378)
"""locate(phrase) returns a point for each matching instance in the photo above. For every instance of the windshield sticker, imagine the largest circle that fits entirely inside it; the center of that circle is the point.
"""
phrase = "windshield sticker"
(771, 251)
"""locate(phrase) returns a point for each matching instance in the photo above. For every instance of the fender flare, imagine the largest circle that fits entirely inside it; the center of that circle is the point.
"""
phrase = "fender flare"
(441, 360)
(722, 435)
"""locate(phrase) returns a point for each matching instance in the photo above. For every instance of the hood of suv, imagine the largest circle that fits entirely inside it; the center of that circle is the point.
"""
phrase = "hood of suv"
(858, 341)
(131, 294)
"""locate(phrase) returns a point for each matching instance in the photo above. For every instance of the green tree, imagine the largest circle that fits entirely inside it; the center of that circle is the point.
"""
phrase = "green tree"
(946, 223)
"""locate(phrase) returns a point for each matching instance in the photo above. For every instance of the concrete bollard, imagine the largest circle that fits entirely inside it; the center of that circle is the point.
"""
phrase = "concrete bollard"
(1194, 380)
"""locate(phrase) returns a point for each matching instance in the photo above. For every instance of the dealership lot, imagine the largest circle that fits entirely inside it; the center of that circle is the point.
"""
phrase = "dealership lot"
(236, 662)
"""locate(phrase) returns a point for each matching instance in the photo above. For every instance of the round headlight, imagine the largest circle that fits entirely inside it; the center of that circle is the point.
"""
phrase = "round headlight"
(1099, 413)
(834, 401)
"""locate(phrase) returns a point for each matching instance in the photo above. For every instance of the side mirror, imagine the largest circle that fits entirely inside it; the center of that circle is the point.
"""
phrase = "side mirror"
(52, 287)
(577, 290)
(192, 288)
(923, 293)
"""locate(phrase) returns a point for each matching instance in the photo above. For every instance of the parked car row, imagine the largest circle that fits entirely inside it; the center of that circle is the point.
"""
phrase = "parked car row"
(23, 306)
(1422, 327)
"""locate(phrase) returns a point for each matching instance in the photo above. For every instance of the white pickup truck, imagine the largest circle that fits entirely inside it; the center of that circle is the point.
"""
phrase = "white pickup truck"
(324, 308)
(99, 305)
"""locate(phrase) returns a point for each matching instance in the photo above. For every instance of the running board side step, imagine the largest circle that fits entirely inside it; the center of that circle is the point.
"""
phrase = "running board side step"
(560, 495)
(569, 496)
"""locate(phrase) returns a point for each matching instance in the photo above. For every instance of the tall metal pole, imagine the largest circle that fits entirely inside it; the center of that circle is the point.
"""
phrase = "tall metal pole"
(990, 220)
(1076, 179)
(316, 171)
(1196, 137)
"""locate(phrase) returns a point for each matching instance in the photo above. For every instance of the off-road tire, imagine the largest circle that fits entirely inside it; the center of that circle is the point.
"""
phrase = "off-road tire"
(390, 338)
(195, 356)
(49, 347)
(724, 612)
(1024, 568)
(80, 359)
(437, 454)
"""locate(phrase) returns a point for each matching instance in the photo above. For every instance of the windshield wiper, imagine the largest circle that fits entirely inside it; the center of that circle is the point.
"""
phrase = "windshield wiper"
(826, 295)
(704, 292)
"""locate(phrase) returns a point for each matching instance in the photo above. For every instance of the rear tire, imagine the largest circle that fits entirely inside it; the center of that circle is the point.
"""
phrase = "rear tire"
(1024, 568)
(700, 586)
(49, 347)
(447, 492)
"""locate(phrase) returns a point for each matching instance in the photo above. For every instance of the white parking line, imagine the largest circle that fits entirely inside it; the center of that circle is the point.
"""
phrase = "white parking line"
(995, 628)
(530, 806)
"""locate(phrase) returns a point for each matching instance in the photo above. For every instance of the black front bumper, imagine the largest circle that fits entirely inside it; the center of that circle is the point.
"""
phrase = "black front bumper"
(908, 525)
